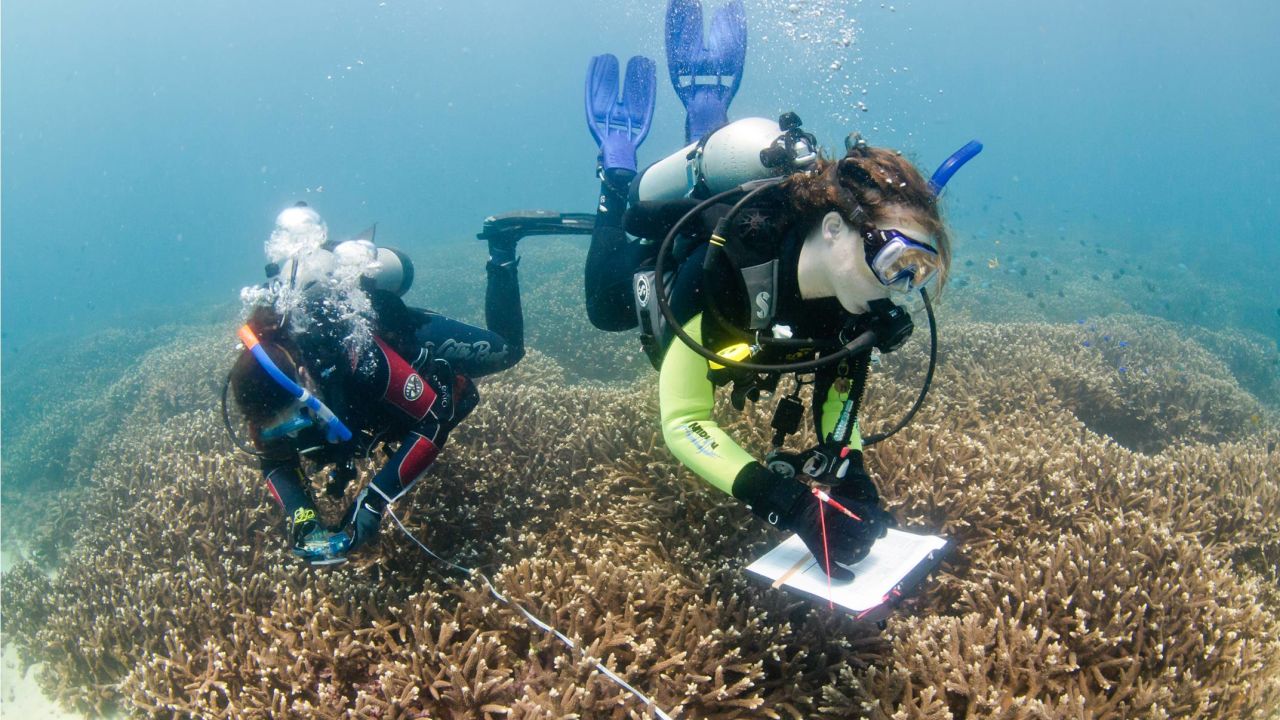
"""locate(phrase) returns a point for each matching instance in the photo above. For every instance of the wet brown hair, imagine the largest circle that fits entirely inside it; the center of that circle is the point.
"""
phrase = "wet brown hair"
(863, 187)
(257, 395)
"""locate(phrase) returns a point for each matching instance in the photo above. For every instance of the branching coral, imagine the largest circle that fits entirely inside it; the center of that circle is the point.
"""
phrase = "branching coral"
(1121, 619)
(1116, 537)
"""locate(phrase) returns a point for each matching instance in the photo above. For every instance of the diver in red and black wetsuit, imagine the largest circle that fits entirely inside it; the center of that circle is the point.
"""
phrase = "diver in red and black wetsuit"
(320, 390)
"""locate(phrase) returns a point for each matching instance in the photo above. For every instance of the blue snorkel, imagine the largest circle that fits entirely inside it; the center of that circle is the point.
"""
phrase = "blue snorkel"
(952, 164)
(334, 430)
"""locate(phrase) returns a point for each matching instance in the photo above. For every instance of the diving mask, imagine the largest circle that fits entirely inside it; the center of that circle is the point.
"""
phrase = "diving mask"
(334, 430)
(299, 419)
(900, 262)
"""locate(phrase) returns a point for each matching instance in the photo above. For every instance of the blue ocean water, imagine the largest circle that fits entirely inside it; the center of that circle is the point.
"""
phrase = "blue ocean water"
(148, 145)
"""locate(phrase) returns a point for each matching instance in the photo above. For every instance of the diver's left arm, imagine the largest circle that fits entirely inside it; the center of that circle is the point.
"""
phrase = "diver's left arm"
(434, 403)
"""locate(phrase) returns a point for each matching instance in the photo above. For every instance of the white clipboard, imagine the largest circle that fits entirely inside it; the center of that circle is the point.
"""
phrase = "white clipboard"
(897, 562)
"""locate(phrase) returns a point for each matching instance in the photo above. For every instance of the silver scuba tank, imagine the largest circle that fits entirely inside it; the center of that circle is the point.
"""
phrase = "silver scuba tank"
(739, 152)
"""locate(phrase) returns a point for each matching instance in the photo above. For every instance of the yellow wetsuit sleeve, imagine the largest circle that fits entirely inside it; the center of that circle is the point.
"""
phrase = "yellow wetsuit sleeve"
(832, 404)
(686, 398)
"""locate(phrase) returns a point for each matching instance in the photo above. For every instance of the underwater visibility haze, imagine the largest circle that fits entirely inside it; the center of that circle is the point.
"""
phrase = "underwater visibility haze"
(1099, 444)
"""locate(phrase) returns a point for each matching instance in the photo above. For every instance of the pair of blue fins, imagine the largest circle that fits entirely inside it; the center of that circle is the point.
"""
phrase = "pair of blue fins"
(705, 71)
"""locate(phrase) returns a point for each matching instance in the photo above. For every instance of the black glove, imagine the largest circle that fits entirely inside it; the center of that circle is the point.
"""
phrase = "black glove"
(851, 529)
(830, 464)
(791, 504)
(363, 519)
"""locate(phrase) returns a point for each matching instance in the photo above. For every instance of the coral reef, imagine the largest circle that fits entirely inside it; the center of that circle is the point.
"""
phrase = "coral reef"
(115, 379)
(1116, 533)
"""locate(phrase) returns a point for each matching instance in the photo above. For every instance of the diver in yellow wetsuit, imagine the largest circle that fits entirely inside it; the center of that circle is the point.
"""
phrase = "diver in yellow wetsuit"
(777, 273)
(843, 237)
(747, 246)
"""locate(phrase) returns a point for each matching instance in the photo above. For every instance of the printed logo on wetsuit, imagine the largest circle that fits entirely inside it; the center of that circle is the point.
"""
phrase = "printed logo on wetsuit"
(701, 440)
(412, 388)
(481, 351)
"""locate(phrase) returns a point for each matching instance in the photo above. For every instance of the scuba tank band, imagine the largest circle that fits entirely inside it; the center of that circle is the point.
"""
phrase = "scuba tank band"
(335, 430)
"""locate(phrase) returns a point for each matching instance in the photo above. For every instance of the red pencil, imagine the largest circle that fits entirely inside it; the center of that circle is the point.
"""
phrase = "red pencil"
(830, 501)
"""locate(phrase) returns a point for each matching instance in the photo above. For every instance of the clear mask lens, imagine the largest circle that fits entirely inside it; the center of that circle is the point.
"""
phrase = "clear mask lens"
(903, 264)
(298, 421)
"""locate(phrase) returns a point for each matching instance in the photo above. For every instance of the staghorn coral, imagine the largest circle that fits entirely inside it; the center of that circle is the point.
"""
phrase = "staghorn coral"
(1098, 622)
(179, 599)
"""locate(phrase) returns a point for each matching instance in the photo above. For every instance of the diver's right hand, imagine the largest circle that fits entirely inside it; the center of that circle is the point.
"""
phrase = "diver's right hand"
(825, 527)
(363, 520)
(850, 528)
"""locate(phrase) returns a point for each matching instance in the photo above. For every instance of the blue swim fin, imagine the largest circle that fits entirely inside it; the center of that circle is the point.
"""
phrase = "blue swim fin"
(706, 72)
(620, 124)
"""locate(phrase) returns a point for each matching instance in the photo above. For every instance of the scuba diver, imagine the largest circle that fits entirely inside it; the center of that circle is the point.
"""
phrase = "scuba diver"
(335, 365)
(746, 256)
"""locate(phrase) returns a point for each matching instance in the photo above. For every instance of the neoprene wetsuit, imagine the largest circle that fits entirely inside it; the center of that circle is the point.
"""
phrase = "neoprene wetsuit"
(686, 393)
(412, 386)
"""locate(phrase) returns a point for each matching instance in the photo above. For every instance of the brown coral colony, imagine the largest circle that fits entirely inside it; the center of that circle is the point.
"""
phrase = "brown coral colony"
(1116, 540)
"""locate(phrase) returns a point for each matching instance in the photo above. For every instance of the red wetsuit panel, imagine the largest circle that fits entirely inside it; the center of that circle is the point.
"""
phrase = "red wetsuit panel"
(274, 493)
(415, 461)
(405, 388)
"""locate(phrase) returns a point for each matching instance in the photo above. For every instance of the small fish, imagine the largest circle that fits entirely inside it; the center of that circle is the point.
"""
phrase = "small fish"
(1256, 419)
(993, 263)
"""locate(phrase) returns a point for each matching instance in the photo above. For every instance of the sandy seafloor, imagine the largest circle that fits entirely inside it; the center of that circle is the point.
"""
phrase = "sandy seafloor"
(20, 696)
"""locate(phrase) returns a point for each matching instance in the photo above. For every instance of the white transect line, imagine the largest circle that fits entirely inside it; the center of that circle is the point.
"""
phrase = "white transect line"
(534, 620)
